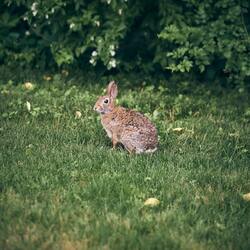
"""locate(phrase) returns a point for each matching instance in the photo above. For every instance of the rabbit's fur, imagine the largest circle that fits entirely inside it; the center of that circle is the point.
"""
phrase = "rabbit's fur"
(128, 127)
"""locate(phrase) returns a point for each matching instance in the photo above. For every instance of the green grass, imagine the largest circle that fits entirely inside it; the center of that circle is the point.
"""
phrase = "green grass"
(62, 187)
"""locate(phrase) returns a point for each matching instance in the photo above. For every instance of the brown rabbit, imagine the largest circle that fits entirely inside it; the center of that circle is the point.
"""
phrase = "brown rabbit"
(130, 128)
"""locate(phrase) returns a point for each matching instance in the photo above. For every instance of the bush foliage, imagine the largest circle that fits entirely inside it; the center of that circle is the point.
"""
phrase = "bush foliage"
(204, 38)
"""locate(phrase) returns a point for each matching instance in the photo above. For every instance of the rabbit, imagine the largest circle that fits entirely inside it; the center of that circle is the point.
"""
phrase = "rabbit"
(130, 128)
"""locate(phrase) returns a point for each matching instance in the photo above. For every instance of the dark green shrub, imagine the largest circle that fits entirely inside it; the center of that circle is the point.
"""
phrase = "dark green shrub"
(208, 38)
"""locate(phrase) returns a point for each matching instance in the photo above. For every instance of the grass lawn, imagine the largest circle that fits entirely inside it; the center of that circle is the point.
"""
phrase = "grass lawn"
(62, 187)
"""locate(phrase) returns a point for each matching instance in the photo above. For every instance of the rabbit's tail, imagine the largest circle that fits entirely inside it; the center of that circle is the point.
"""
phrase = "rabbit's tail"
(151, 150)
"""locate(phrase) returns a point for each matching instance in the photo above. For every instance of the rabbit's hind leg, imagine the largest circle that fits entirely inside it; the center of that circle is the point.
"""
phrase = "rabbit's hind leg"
(128, 146)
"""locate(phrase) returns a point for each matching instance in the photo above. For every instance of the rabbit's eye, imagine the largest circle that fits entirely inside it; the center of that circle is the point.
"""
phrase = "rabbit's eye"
(106, 101)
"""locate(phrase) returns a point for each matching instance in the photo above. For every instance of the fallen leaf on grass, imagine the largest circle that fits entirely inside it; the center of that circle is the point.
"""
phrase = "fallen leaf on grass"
(178, 129)
(28, 85)
(78, 114)
(152, 202)
(236, 134)
(28, 105)
(65, 72)
(246, 197)
(47, 78)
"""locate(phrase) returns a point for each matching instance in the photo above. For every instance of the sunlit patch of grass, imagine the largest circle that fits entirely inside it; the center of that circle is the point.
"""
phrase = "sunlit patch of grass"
(63, 187)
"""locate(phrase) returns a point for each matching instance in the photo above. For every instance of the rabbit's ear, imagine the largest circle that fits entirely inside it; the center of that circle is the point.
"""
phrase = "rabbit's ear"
(112, 90)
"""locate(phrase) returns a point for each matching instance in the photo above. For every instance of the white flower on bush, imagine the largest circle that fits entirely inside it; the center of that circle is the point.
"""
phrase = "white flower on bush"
(108, 1)
(97, 23)
(72, 26)
(34, 8)
(112, 63)
(94, 53)
(52, 10)
(47, 16)
(92, 61)
(112, 52)
(120, 12)
(112, 47)
(92, 38)
(27, 33)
